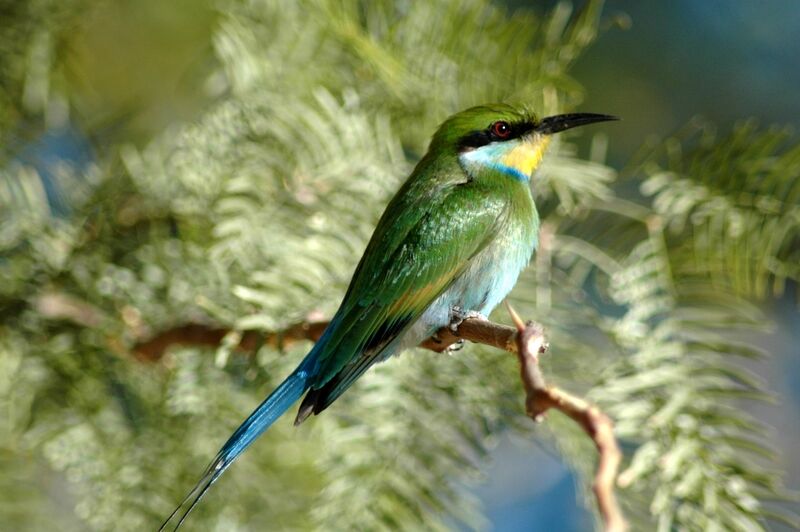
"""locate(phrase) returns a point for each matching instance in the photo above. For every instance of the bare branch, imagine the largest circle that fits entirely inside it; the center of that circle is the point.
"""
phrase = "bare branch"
(60, 306)
(203, 335)
(474, 330)
(527, 340)
(598, 426)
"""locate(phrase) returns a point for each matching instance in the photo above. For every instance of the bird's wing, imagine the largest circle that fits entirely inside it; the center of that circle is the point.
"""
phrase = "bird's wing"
(418, 249)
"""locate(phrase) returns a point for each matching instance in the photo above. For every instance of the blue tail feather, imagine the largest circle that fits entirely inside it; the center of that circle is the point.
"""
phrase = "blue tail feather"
(260, 420)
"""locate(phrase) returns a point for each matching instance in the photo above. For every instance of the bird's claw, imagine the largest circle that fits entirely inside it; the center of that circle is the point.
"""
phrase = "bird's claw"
(458, 345)
(458, 315)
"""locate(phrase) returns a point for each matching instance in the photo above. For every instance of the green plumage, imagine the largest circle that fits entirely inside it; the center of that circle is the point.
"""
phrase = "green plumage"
(455, 236)
(436, 224)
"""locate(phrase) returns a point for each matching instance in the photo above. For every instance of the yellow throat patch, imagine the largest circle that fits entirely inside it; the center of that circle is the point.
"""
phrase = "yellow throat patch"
(525, 157)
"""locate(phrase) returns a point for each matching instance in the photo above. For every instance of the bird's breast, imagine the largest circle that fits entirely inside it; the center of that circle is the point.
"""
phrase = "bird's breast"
(487, 280)
(494, 272)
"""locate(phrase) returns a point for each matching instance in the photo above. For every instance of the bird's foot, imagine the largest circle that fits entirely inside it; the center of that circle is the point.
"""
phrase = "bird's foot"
(457, 346)
(458, 315)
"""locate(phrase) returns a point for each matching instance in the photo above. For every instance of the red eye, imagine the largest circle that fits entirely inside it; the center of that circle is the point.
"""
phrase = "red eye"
(501, 130)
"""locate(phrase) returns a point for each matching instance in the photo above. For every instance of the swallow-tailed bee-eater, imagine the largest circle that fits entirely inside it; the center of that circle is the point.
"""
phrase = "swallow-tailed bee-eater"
(450, 244)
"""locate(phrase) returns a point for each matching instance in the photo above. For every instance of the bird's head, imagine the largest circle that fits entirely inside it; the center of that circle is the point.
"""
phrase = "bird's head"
(503, 138)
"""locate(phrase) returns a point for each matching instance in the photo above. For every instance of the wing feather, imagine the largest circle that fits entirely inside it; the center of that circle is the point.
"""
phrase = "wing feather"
(398, 278)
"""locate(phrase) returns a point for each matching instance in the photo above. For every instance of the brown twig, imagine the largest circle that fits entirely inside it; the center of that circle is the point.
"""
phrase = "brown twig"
(474, 330)
(190, 334)
(598, 426)
(527, 340)
(60, 306)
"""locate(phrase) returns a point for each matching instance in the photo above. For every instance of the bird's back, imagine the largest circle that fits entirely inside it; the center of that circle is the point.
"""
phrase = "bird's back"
(443, 242)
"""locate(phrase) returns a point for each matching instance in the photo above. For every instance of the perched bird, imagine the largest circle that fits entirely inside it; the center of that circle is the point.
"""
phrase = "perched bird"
(450, 245)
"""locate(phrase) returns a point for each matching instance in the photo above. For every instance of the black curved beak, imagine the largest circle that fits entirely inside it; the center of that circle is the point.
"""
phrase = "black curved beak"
(555, 124)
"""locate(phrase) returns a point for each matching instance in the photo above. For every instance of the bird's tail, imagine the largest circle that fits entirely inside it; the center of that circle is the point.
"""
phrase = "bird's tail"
(260, 420)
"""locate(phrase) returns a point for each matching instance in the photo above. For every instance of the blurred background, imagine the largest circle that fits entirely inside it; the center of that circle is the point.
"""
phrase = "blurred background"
(155, 152)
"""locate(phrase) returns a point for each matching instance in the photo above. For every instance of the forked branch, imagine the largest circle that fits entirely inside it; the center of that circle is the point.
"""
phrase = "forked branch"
(539, 398)
(527, 340)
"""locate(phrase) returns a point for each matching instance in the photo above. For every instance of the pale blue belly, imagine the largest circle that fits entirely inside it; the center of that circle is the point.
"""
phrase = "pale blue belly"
(486, 282)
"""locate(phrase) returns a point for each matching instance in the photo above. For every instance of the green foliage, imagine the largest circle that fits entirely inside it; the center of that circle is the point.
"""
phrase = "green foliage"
(31, 36)
(734, 202)
(677, 391)
(253, 217)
